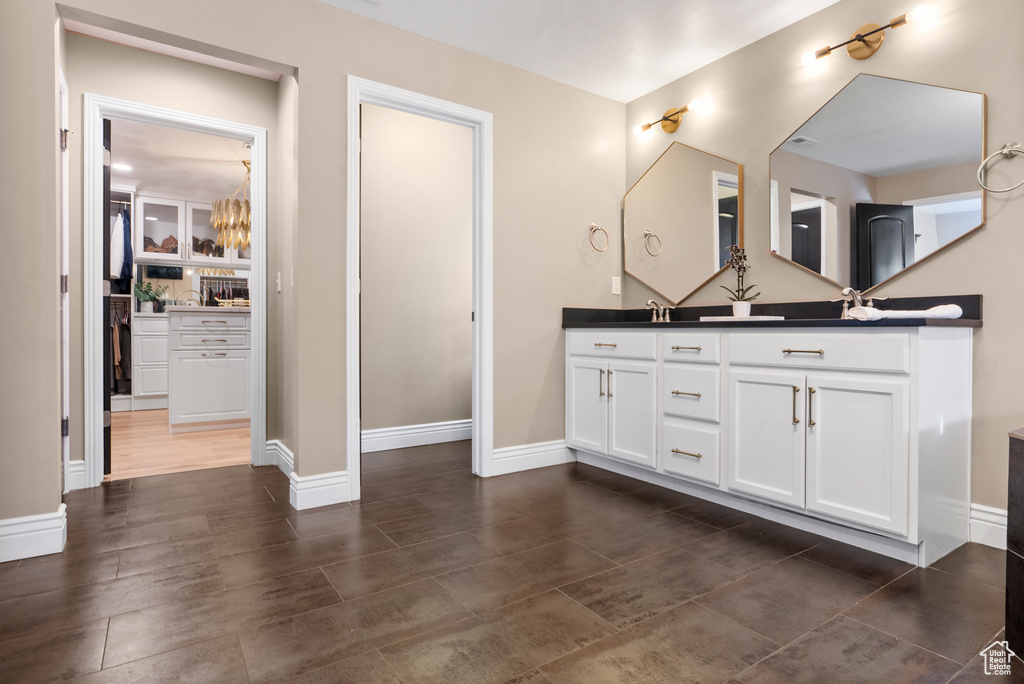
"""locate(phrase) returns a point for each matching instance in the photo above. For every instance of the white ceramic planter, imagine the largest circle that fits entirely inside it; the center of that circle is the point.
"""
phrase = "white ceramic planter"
(740, 309)
(147, 307)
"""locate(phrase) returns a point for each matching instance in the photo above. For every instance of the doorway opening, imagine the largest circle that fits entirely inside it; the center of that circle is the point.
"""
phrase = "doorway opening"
(171, 261)
(479, 124)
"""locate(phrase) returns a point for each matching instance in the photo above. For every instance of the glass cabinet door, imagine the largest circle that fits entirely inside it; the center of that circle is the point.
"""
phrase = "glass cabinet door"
(159, 229)
(202, 237)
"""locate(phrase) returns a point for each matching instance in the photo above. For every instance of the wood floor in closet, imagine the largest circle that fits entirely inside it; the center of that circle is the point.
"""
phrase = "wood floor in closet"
(141, 445)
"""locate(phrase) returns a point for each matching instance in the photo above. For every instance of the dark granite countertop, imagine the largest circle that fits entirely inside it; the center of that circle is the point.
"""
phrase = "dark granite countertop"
(797, 315)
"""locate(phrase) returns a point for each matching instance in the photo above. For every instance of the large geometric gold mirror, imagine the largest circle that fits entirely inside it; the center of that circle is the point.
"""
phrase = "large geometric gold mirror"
(679, 220)
(879, 179)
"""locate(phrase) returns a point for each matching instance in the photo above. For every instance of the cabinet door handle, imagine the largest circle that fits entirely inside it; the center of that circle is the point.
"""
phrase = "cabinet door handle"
(685, 453)
(609, 383)
(602, 344)
(820, 352)
(600, 383)
(216, 354)
(224, 322)
(224, 341)
(795, 390)
(676, 348)
(688, 394)
(810, 406)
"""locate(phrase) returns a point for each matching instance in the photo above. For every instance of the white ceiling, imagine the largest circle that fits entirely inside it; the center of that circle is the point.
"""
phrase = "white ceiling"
(620, 49)
(884, 127)
(168, 158)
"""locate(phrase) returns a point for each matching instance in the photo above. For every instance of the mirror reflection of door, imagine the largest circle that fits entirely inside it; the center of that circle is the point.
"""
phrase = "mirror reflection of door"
(728, 227)
(806, 238)
(884, 242)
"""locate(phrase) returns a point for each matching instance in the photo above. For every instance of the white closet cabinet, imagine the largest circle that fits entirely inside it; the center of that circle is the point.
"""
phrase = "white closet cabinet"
(159, 228)
(612, 400)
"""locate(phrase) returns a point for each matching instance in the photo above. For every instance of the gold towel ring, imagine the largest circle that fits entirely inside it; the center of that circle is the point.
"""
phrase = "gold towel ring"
(594, 228)
(1008, 151)
(647, 243)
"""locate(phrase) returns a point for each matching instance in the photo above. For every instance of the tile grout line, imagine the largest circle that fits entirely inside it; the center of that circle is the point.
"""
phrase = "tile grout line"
(906, 641)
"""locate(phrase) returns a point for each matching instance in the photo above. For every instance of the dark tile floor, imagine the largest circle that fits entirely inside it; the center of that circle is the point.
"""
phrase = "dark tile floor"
(564, 574)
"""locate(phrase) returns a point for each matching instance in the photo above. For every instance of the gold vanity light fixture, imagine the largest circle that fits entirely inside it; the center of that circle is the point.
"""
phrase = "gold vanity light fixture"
(866, 40)
(232, 217)
(670, 121)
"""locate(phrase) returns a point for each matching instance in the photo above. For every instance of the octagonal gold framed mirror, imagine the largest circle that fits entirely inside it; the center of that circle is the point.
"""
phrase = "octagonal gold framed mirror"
(881, 178)
(679, 219)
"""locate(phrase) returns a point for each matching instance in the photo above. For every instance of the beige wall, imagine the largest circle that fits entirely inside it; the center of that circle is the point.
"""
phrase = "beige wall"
(948, 180)
(763, 93)
(550, 182)
(416, 269)
(102, 68)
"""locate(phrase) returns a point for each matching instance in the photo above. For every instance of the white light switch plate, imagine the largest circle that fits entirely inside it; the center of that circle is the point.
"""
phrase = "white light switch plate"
(616, 285)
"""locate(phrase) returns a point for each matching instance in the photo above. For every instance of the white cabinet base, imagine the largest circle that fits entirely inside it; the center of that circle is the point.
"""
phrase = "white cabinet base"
(893, 548)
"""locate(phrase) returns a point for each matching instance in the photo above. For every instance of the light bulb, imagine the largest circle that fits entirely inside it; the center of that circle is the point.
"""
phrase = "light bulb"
(807, 59)
(638, 129)
(919, 13)
(696, 104)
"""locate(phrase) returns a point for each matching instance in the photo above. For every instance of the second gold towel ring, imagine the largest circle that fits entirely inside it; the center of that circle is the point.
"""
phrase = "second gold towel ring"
(594, 228)
(648, 235)
(1008, 151)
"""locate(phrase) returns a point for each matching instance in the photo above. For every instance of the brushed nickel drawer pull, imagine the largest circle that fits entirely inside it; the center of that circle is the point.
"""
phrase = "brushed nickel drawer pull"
(820, 352)
(810, 406)
(602, 344)
(600, 383)
(224, 322)
(688, 394)
(795, 390)
(609, 383)
(685, 453)
(677, 348)
(216, 354)
(224, 341)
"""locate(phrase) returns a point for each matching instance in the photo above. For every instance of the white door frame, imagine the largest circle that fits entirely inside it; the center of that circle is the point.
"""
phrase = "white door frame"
(96, 109)
(65, 297)
(481, 123)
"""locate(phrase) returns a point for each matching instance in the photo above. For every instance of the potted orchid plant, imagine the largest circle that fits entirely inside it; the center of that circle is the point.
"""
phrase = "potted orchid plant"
(740, 296)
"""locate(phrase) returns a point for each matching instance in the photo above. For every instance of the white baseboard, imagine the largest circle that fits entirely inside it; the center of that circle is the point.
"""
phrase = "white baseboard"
(278, 454)
(149, 403)
(988, 526)
(529, 456)
(75, 477)
(33, 535)
(319, 490)
(382, 439)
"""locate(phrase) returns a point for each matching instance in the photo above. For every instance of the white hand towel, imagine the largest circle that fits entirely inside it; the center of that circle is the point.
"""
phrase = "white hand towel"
(869, 313)
(117, 246)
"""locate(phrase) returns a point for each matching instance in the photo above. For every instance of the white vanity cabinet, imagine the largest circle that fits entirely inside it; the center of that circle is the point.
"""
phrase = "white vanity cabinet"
(149, 361)
(611, 406)
(858, 433)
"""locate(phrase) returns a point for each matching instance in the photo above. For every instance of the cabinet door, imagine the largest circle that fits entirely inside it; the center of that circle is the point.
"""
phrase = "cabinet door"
(159, 227)
(202, 239)
(766, 457)
(586, 412)
(857, 451)
(208, 386)
(633, 412)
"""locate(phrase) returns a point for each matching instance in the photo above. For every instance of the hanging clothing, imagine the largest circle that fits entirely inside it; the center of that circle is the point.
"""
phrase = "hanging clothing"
(121, 251)
(116, 247)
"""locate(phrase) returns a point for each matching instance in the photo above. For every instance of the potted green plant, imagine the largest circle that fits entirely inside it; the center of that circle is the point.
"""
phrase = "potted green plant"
(741, 296)
(146, 293)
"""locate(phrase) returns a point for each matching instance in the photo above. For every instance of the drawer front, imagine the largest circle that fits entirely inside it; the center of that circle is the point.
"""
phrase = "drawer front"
(887, 353)
(148, 380)
(691, 452)
(692, 347)
(209, 320)
(181, 340)
(690, 392)
(615, 344)
(149, 326)
(149, 350)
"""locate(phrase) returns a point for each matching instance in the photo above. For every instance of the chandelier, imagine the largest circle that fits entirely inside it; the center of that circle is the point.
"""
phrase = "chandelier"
(232, 217)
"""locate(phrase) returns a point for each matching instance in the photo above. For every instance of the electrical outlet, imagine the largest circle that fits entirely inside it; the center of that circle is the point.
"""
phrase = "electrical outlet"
(616, 285)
